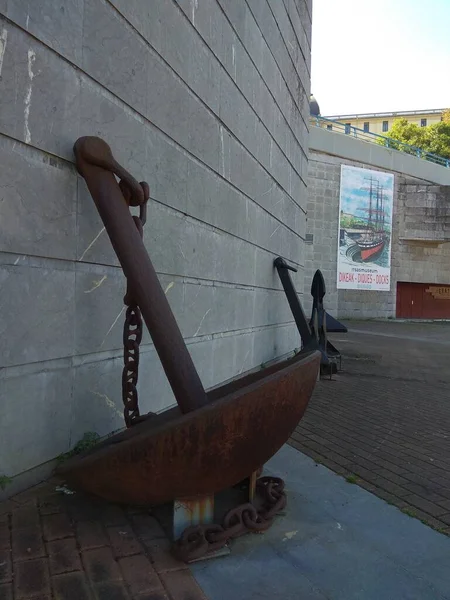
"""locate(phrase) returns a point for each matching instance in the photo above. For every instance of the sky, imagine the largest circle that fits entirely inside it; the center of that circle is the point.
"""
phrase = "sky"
(380, 55)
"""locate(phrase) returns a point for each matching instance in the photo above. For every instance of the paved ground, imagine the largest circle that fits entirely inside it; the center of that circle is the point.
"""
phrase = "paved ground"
(72, 548)
(336, 542)
(385, 421)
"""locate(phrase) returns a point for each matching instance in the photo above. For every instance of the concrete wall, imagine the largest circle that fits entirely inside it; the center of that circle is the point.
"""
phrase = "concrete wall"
(421, 221)
(207, 100)
(423, 226)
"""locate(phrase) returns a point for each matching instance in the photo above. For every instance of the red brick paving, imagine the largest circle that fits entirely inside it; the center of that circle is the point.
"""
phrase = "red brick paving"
(182, 586)
(140, 575)
(55, 546)
(123, 541)
(5, 566)
(6, 592)
(64, 556)
(385, 422)
(31, 578)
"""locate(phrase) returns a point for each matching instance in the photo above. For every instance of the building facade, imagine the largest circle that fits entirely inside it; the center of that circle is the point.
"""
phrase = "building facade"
(381, 123)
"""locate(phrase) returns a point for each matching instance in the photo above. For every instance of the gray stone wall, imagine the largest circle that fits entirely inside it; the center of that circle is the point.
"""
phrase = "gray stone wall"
(423, 221)
(207, 100)
(421, 225)
(321, 228)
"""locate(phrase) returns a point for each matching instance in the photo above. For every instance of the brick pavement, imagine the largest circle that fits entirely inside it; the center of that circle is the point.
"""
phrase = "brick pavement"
(69, 547)
(384, 423)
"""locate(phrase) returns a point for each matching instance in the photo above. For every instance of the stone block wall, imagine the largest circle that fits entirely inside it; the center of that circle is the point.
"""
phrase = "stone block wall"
(321, 228)
(423, 253)
(208, 101)
(421, 229)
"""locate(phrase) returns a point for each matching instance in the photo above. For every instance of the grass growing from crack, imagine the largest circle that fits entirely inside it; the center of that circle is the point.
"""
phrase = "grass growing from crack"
(4, 481)
(88, 441)
(408, 511)
(351, 479)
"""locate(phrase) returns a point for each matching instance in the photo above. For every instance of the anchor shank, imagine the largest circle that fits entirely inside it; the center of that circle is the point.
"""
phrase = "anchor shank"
(141, 275)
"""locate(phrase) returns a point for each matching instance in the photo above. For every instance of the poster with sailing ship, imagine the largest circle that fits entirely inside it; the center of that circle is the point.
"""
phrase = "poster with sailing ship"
(365, 229)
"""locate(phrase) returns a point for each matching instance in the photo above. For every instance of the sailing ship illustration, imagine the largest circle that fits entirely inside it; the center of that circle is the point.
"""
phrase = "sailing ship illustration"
(372, 241)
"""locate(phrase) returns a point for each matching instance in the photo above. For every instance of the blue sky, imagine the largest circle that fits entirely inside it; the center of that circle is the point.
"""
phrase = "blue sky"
(380, 55)
(354, 196)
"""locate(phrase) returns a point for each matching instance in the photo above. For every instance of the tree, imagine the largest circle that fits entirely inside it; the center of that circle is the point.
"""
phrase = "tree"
(446, 115)
(403, 131)
(438, 139)
(433, 138)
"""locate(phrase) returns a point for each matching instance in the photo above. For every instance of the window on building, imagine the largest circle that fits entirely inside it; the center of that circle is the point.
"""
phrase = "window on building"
(385, 126)
(347, 127)
(423, 122)
(330, 127)
(366, 126)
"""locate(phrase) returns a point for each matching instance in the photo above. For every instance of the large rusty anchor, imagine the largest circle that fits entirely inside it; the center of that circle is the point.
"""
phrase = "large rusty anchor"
(211, 440)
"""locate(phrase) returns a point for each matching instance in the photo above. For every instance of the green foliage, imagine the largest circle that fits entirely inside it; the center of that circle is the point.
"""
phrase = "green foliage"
(446, 116)
(405, 132)
(433, 138)
(4, 481)
(438, 139)
(351, 479)
(88, 441)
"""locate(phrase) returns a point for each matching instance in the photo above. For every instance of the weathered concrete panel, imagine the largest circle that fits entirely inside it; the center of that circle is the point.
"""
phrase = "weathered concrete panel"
(97, 403)
(99, 309)
(103, 115)
(302, 30)
(171, 36)
(191, 99)
(38, 208)
(295, 47)
(114, 54)
(145, 17)
(35, 417)
(40, 94)
(36, 314)
(274, 39)
(57, 24)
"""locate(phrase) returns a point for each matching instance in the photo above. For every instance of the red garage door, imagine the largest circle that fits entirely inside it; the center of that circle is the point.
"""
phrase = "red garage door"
(423, 301)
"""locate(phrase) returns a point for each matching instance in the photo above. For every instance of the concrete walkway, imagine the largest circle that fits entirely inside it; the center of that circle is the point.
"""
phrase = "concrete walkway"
(336, 542)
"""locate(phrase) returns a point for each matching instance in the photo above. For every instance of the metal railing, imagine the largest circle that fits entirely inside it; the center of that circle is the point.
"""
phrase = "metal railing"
(381, 140)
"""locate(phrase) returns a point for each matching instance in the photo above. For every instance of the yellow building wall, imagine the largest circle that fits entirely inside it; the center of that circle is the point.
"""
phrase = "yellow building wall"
(376, 124)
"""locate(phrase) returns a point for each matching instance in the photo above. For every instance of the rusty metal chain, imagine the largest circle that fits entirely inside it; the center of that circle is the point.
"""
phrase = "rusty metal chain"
(132, 329)
(199, 540)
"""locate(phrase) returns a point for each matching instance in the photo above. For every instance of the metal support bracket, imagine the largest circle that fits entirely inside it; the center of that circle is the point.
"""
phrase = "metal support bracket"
(200, 511)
